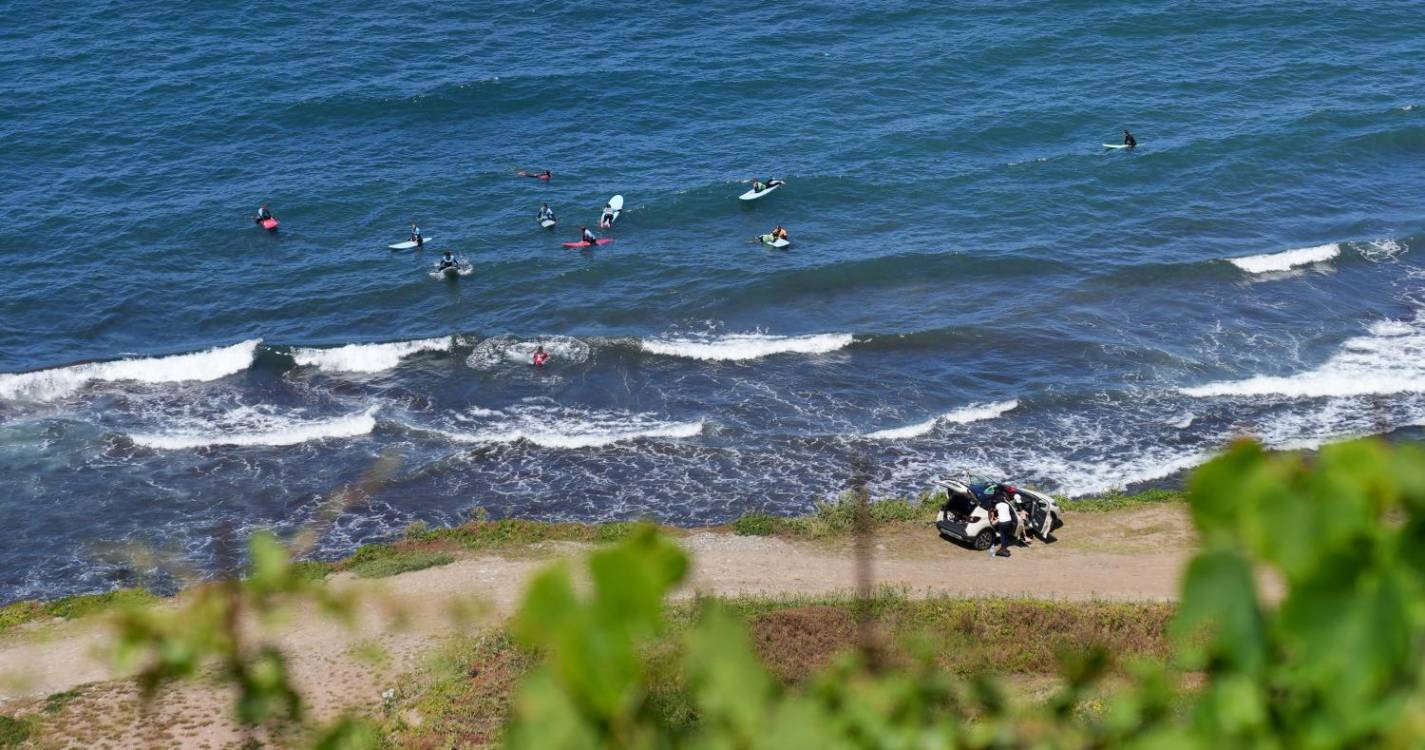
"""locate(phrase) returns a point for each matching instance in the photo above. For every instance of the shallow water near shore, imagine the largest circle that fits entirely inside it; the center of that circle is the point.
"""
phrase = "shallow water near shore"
(974, 282)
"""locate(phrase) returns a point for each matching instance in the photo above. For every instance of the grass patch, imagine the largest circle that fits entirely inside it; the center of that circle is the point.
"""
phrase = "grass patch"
(1119, 500)
(518, 532)
(399, 561)
(13, 732)
(464, 699)
(465, 696)
(55, 702)
(71, 607)
(836, 517)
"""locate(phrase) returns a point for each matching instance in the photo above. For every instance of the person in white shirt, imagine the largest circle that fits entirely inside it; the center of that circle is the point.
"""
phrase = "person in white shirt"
(1004, 520)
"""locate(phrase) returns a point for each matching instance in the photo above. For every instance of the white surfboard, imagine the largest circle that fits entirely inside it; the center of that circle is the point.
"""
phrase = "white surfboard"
(615, 203)
(408, 244)
(779, 243)
(752, 195)
(547, 223)
(1115, 145)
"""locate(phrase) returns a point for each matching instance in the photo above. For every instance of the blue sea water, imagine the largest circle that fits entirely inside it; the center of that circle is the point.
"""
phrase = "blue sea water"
(974, 281)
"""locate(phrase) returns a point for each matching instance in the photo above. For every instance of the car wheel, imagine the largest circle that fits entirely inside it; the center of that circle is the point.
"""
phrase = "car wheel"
(984, 539)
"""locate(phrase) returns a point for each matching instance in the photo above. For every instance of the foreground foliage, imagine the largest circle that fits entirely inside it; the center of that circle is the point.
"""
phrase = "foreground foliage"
(1336, 663)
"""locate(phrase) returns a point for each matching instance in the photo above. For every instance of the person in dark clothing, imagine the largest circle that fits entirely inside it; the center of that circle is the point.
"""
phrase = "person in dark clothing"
(1129, 140)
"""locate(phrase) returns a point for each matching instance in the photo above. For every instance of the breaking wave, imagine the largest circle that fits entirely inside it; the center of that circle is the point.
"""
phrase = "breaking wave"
(972, 413)
(210, 364)
(248, 426)
(1388, 361)
(367, 357)
(1286, 260)
(744, 346)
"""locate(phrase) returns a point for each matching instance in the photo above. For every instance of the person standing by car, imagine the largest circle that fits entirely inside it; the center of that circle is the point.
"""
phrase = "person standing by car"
(1004, 520)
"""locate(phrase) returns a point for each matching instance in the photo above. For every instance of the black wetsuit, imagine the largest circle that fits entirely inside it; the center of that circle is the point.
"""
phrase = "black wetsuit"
(1129, 140)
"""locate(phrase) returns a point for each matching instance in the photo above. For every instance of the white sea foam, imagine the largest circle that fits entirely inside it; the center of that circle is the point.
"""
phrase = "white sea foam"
(1077, 479)
(744, 346)
(501, 351)
(584, 436)
(1389, 361)
(367, 357)
(1287, 259)
(58, 382)
(971, 413)
(1379, 250)
(247, 426)
(558, 427)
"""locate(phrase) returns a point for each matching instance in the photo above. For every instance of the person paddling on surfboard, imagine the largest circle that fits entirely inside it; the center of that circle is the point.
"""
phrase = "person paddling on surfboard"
(779, 232)
(446, 262)
(540, 356)
(586, 236)
(544, 175)
(758, 185)
(606, 219)
(1129, 140)
(545, 212)
(416, 236)
(262, 214)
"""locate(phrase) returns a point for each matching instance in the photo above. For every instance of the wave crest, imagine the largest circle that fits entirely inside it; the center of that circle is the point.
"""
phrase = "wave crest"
(1286, 260)
(1391, 360)
(965, 414)
(744, 346)
(563, 428)
(253, 427)
(366, 357)
(209, 364)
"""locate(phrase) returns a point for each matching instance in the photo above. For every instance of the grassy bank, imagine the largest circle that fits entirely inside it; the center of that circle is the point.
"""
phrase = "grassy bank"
(464, 698)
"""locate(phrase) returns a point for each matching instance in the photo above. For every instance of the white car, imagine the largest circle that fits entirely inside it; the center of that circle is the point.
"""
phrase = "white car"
(965, 516)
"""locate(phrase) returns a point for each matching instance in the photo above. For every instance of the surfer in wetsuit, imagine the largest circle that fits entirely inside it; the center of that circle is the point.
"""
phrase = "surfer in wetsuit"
(758, 185)
(606, 220)
(1129, 140)
(446, 262)
(262, 214)
(545, 175)
(545, 212)
(540, 356)
(586, 236)
(416, 235)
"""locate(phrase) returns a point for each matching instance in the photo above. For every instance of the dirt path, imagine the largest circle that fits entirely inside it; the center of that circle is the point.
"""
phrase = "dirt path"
(1128, 555)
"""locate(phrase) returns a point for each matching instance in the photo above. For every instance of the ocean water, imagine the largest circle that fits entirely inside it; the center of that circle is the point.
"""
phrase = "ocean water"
(974, 281)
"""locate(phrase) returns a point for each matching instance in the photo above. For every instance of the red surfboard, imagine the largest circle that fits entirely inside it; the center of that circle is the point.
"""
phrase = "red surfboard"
(269, 224)
(600, 241)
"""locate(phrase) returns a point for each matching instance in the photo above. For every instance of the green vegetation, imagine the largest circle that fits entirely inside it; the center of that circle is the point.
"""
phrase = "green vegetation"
(467, 695)
(56, 702)
(1119, 501)
(14, 732)
(836, 517)
(71, 607)
(401, 562)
